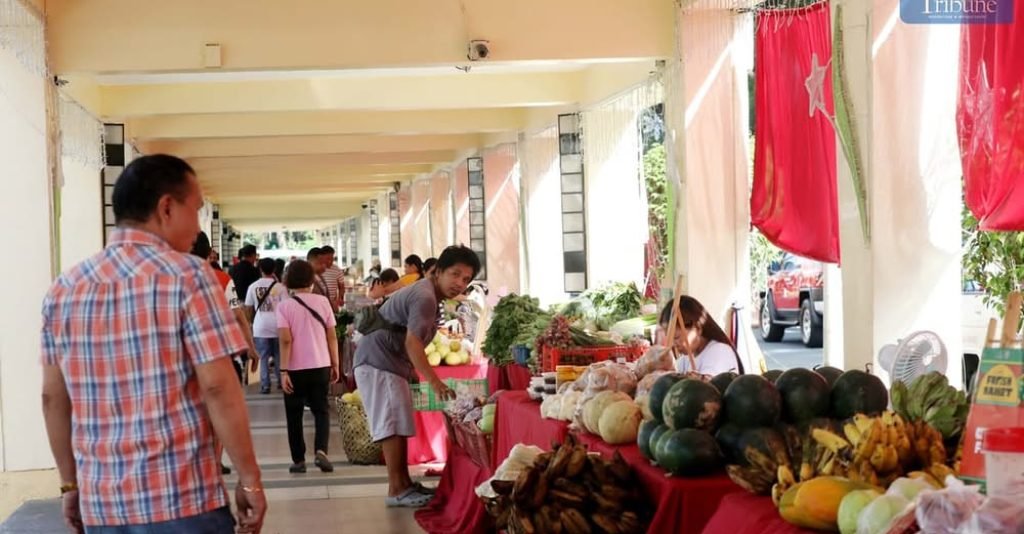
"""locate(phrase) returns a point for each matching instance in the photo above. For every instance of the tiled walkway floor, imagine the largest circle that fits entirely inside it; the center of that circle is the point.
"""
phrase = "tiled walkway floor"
(349, 500)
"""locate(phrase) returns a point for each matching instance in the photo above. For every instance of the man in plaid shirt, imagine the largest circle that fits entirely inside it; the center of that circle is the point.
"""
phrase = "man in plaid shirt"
(137, 376)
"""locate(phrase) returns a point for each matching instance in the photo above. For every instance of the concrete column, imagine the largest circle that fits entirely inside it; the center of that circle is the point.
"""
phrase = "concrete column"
(708, 132)
(902, 82)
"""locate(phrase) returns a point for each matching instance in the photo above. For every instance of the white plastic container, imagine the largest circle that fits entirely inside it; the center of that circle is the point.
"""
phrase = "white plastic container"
(1004, 461)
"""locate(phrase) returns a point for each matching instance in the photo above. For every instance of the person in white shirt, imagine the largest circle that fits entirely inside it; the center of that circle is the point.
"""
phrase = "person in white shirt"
(711, 348)
(261, 300)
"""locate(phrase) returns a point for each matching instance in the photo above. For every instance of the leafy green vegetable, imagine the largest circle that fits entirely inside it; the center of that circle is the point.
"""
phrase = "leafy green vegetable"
(512, 314)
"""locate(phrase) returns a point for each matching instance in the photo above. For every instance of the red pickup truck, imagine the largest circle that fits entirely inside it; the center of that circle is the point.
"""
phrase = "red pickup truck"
(794, 297)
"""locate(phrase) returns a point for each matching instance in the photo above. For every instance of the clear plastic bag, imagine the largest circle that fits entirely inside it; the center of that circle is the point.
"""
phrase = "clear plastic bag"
(656, 358)
(643, 387)
(947, 511)
(997, 515)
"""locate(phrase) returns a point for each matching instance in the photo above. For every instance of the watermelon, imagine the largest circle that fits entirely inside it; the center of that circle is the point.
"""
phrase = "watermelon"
(728, 438)
(659, 390)
(858, 392)
(692, 403)
(643, 438)
(722, 380)
(805, 395)
(652, 443)
(830, 374)
(752, 401)
(772, 375)
(688, 452)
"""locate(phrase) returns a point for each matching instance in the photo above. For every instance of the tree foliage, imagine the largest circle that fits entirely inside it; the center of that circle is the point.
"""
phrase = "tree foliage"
(995, 260)
(657, 205)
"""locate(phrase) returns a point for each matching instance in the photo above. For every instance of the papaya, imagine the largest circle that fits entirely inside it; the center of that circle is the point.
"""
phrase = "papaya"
(815, 502)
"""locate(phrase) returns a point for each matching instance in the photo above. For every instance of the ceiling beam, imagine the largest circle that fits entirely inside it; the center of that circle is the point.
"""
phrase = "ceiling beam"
(314, 173)
(113, 36)
(460, 121)
(300, 163)
(272, 211)
(283, 191)
(456, 90)
(308, 144)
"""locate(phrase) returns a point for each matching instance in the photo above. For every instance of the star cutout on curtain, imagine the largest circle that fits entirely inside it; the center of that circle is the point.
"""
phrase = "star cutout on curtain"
(983, 108)
(815, 84)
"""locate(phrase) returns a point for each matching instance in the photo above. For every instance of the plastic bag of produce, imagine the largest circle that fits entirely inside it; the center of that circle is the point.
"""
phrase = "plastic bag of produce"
(948, 510)
(656, 358)
(643, 387)
(550, 406)
(997, 514)
(568, 405)
(520, 458)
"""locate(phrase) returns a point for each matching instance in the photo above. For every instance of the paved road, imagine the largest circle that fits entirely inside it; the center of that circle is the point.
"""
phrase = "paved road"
(790, 352)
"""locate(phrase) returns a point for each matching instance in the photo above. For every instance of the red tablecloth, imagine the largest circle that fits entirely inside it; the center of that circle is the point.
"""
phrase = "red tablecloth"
(430, 444)
(510, 377)
(517, 420)
(743, 513)
(455, 508)
(682, 504)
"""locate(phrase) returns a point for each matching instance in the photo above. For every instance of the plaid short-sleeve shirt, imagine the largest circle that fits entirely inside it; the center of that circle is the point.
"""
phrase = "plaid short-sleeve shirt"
(127, 327)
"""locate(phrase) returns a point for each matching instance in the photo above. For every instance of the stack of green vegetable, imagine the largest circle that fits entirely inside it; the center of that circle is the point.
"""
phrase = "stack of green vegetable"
(930, 398)
(603, 306)
(511, 315)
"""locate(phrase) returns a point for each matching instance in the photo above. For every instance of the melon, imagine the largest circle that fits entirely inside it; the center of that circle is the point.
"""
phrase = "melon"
(692, 403)
(858, 392)
(688, 452)
(805, 395)
(752, 401)
(722, 380)
(452, 358)
(593, 408)
(830, 374)
(659, 390)
(620, 422)
(643, 438)
(772, 375)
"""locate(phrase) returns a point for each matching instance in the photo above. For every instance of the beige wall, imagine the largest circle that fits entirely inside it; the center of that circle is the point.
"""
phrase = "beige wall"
(81, 213)
(501, 200)
(542, 194)
(25, 232)
(440, 213)
(406, 223)
(419, 230)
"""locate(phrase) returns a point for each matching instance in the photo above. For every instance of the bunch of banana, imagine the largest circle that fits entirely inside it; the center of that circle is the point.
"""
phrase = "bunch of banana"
(930, 398)
(570, 491)
(874, 450)
(769, 462)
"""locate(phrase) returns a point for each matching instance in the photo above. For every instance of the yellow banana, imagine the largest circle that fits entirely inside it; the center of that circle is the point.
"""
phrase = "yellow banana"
(831, 440)
(868, 445)
(892, 459)
(785, 476)
(853, 435)
(862, 422)
(878, 459)
(939, 472)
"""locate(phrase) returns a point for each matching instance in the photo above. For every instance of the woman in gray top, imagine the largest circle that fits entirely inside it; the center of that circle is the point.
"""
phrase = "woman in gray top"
(386, 361)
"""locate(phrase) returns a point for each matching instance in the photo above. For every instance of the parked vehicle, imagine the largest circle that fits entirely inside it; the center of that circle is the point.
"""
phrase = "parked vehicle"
(974, 316)
(794, 296)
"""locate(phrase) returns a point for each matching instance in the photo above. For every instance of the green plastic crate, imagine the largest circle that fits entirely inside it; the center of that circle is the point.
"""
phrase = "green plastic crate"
(425, 399)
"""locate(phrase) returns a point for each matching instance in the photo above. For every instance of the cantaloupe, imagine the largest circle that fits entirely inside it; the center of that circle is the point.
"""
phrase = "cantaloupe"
(619, 422)
(594, 407)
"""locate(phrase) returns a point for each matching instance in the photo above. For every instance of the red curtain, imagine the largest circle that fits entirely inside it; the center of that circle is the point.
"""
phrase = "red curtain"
(990, 122)
(793, 202)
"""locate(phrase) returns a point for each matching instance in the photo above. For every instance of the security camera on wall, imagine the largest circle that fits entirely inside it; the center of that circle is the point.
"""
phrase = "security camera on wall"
(478, 50)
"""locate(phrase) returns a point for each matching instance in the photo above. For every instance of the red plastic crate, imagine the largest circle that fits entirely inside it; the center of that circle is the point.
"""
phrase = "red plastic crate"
(551, 358)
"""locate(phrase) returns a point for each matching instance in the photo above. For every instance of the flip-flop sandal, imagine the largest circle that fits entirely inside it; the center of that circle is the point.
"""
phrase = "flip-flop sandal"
(410, 498)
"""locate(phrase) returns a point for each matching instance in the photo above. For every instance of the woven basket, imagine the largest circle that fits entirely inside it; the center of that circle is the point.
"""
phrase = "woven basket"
(355, 436)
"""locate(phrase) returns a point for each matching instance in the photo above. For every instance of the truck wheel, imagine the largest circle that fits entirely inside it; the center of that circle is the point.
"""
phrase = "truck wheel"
(810, 327)
(770, 331)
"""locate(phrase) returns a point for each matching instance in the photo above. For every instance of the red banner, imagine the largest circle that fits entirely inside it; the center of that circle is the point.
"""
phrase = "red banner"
(990, 122)
(793, 202)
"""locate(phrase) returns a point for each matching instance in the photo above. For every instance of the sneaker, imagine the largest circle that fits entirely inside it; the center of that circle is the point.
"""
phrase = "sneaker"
(323, 463)
(424, 489)
(410, 498)
(297, 467)
(265, 391)
(225, 470)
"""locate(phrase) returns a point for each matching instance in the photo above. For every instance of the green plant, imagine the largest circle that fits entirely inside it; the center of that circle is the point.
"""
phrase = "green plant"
(657, 205)
(762, 254)
(995, 260)
(512, 314)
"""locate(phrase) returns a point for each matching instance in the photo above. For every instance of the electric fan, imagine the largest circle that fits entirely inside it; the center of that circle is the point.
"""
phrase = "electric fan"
(917, 354)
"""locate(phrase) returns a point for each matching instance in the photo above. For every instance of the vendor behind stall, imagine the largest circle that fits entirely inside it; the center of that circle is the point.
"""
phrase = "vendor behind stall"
(711, 348)
(388, 358)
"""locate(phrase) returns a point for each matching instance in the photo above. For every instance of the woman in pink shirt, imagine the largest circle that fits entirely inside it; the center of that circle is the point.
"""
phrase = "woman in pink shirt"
(309, 363)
